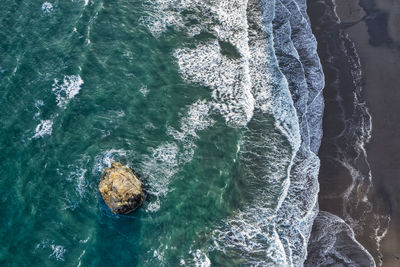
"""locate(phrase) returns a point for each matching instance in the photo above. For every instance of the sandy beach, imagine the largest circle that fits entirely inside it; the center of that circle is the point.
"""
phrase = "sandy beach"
(362, 187)
(380, 62)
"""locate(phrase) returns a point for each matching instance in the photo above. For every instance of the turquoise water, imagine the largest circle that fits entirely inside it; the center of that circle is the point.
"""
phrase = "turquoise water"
(175, 91)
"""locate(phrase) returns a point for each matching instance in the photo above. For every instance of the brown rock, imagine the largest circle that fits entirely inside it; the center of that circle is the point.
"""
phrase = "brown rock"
(121, 189)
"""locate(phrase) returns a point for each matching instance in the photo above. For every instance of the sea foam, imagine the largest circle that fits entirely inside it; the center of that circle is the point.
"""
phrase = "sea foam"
(67, 89)
(105, 158)
(227, 77)
(45, 127)
(333, 240)
(242, 68)
(47, 7)
(58, 252)
(167, 158)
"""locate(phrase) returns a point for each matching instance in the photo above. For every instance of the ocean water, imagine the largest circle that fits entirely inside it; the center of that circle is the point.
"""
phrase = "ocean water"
(217, 105)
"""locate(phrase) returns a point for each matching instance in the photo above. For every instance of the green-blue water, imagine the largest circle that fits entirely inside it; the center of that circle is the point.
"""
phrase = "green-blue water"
(83, 84)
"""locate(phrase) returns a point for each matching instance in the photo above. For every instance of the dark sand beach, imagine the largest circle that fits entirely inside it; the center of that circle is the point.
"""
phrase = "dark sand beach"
(360, 151)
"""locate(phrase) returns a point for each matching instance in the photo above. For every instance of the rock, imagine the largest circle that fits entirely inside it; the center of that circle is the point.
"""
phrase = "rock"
(121, 189)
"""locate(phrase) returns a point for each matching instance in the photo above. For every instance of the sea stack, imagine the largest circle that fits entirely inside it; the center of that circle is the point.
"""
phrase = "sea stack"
(121, 189)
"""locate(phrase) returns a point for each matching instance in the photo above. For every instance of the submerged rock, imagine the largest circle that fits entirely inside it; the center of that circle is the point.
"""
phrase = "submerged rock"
(121, 189)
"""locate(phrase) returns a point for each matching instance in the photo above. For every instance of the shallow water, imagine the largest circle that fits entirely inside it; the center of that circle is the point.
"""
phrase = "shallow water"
(193, 96)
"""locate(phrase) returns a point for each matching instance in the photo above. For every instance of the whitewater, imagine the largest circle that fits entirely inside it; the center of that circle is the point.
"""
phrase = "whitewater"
(262, 66)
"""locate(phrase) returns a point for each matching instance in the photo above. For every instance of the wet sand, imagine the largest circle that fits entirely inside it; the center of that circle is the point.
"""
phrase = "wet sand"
(374, 27)
(378, 45)
(380, 61)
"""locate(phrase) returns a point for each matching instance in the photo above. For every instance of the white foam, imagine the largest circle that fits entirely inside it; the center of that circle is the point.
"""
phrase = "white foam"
(58, 252)
(38, 104)
(380, 233)
(159, 168)
(201, 259)
(194, 30)
(84, 241)
(166, 154)
(162, 14)
(45, 127)
(76, 178)
(81, 183)
(258, 231)
(251, 234)
(144, 90)
(334, 241)
(80, 257)
(47, 7)
(227, 77)
(68, 89)
(167, 158)
(299, 208)
(248, 82)
(158, 255)
(149, 126)
(197, 119)
(105, 158)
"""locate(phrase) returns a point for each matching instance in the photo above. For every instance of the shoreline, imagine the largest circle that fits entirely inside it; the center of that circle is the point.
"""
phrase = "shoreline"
(380, 61)
(358, 177)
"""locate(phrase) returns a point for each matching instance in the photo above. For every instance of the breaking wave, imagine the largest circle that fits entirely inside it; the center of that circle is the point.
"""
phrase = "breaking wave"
(67, 89)
(166, 159)
(333, 241)
(45, 127)
(260, 63)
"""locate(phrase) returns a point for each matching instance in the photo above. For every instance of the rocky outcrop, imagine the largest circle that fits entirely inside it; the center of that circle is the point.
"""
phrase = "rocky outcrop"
(121, 189)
